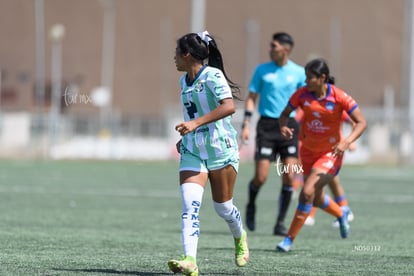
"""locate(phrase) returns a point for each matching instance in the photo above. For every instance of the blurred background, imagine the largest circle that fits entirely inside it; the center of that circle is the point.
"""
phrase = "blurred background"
(96, 79)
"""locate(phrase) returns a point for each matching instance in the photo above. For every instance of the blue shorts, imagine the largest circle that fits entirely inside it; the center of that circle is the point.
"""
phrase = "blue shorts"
(191, 162)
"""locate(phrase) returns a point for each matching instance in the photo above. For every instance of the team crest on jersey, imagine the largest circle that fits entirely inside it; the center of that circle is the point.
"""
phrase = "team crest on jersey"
(198, 87)
(330, 106)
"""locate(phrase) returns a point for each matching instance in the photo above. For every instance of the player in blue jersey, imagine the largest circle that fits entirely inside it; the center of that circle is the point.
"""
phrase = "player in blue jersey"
(208, 146)
(271, 86)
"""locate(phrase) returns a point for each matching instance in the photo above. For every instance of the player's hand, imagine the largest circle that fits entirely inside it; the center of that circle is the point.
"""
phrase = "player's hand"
(177, 146)
(287, 132)
(186, 127)
(352, 147)
(244, 136)
(340, 148)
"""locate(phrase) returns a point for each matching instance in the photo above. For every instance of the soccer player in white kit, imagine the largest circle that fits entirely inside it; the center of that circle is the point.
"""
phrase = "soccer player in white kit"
(208, 146)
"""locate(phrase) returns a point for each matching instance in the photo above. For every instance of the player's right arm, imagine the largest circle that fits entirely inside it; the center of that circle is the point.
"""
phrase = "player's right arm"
(249, 108)
(293, 104)
(286, 132)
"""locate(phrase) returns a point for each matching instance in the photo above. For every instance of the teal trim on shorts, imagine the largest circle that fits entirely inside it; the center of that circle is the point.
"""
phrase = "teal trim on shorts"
(191, 162)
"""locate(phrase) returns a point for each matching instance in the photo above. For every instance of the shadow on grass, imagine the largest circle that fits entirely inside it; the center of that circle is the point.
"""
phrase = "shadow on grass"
(111, 271)
(263, 250)
(138, 273)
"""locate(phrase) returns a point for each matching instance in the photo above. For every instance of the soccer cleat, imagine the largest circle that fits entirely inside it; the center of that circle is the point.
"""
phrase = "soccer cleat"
(280, 229)
(310, 221)
(250, 213)
(343, 222)
(284, 246)
(187, 266)
(351, 217)
(242, 250)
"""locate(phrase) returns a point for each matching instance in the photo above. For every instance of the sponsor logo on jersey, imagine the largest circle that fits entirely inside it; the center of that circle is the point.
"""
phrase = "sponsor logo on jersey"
(316, 126)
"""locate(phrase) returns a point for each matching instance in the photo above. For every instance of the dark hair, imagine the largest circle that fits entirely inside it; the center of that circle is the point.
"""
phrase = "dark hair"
(200, 50)
(318, 67)
(284, 38)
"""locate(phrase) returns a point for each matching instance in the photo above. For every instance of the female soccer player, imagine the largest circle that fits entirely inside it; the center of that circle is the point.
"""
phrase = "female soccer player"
(322, 146)
(335, 184)
(208, 146)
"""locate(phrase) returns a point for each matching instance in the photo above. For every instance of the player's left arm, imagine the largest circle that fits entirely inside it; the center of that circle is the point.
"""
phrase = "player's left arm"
(347, 119)
(360, 125)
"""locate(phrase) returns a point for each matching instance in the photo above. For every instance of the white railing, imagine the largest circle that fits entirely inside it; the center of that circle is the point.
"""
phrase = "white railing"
(386, 140)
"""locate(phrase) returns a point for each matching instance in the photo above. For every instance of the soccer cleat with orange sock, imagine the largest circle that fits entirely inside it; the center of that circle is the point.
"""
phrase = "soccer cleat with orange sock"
(301, 214)
(351, 217)
(343, 222)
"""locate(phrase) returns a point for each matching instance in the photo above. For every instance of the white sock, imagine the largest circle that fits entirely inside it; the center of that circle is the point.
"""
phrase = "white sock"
(191, 195)
(231, 215)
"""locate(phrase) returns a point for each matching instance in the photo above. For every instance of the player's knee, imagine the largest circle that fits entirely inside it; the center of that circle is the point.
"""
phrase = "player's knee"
(307, 196)
(259, 180)
(224, 209)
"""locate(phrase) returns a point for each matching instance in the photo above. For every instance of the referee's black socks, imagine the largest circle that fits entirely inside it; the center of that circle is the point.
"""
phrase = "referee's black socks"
(253, 191)
(284, 201)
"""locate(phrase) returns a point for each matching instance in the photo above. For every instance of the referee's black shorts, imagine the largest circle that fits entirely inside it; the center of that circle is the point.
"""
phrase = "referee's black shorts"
(270, 142)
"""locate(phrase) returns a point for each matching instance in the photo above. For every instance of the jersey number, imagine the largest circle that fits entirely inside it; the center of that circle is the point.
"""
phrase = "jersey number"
(191, 109)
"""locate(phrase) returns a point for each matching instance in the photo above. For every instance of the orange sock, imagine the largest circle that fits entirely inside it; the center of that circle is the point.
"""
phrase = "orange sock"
(302, 212)
(313, 211)
(331, 207)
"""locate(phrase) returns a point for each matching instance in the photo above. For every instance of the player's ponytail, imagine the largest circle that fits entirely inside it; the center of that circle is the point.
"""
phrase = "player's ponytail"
(215, 59)
(318, 67)
(330, 79)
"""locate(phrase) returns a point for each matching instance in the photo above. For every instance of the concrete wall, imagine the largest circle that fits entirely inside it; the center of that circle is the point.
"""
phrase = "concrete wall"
(362, 40)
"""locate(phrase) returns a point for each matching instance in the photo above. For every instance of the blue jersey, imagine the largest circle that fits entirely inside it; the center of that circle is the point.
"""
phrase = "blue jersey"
(275, 84)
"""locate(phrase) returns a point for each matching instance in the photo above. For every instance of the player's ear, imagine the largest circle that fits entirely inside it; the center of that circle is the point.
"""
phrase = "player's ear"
(288, 48)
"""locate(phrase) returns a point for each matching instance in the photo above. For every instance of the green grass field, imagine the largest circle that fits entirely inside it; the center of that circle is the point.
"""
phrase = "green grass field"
(123, 218)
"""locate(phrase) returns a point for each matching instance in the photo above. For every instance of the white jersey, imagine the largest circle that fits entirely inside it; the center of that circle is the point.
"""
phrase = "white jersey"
(216, 139)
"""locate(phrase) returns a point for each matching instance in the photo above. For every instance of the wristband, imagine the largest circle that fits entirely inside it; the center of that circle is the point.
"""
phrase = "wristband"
(248, 115)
